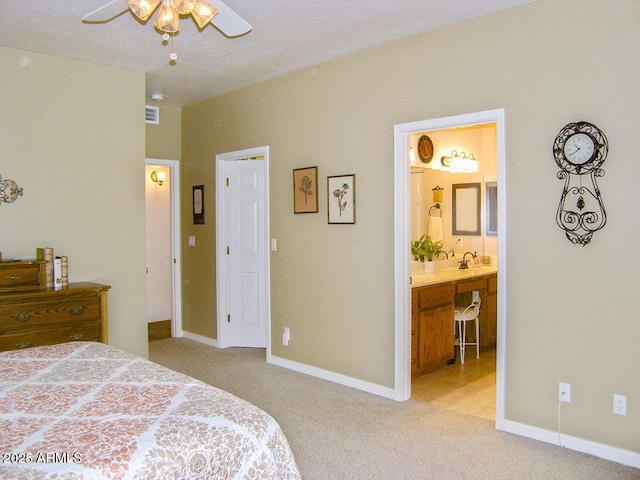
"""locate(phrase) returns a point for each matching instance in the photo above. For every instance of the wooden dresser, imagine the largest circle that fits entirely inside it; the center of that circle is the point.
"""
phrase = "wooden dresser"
(31, 315)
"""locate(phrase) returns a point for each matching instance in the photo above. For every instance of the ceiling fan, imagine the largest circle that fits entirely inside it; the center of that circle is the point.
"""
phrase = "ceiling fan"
(219, 14)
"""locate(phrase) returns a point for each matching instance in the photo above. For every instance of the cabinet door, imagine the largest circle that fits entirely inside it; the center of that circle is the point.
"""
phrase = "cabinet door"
(435, 336)
(489, 323)
(488, 330)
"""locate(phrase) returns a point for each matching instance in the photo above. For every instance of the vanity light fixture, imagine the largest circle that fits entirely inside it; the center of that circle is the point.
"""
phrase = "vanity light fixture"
(460, 162)
(158, 177)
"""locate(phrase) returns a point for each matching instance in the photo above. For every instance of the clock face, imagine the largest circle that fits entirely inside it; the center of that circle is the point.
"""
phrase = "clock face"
(425, 149)
(579, 148)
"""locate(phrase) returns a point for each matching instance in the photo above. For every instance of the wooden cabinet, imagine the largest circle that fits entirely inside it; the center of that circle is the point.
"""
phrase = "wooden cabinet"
(489, 328)
(48, 316)
(431, 327)
(432, 306)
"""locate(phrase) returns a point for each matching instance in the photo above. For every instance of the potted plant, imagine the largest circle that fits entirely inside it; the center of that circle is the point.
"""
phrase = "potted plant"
(431, 250)
(418, 249)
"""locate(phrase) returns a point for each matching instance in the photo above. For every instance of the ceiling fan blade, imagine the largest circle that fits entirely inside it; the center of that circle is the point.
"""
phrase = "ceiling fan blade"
(228, 21)
(107, 12)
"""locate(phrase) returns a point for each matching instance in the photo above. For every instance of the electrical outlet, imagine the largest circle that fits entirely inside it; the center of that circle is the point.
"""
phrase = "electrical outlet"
(619, 404)
(285, 336)
(564, 392)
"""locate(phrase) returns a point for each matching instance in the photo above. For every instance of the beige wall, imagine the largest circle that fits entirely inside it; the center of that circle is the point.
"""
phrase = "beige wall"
(567, 306)
(164, 140)
(73, 138)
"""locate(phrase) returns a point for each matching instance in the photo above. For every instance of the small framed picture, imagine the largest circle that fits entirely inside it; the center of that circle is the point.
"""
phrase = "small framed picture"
(198, 205)
(305, 190)
(341, 198)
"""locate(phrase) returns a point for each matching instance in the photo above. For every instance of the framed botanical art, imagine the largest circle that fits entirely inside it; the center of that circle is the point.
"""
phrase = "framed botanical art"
(305, 190)
(341, 198)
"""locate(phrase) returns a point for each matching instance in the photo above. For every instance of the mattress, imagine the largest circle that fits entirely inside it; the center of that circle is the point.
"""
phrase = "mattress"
(86, 410)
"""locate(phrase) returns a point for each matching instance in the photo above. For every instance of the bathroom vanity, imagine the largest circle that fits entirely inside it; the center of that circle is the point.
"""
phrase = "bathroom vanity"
(434, 297)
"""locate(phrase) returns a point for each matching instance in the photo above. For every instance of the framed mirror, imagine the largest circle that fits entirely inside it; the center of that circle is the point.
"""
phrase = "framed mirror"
(491, 214)
(466, 209)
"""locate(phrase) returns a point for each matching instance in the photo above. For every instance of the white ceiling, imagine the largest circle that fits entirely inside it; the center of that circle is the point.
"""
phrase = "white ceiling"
(287, 35)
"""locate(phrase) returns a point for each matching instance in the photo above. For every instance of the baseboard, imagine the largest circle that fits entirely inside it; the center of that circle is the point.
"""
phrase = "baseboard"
(200, 338)
(618, 455)
(333, 377)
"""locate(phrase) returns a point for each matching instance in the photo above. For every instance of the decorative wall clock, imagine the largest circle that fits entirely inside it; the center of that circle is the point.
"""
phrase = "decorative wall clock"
(9, 190)
(425, 149)
(579, 150)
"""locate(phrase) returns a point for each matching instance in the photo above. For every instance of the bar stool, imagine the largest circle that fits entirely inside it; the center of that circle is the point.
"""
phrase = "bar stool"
(469, 314)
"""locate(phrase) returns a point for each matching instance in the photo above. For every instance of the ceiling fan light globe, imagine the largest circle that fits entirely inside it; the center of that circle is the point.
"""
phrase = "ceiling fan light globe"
(183, 7)
(203, 13)
(143, 8)
(168, 20)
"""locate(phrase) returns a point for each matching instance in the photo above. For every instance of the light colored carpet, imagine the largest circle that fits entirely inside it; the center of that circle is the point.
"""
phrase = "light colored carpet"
(339, 433)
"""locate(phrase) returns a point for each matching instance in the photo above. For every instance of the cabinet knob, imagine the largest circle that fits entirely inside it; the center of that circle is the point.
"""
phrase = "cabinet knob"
(76, 310)
(76, 338)
(22, 345)
(22, 317)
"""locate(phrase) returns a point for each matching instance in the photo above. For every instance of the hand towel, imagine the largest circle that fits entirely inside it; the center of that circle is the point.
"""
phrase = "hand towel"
(435, 228)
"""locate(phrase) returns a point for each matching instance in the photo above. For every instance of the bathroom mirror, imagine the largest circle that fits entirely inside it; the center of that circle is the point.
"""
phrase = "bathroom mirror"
(466, 209)
(491, 196)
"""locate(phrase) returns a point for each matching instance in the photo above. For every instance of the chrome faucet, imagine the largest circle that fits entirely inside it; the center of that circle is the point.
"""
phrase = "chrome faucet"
(463, 263)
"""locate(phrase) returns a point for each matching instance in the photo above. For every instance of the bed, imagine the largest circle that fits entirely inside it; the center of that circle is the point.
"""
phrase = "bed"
(85, 410)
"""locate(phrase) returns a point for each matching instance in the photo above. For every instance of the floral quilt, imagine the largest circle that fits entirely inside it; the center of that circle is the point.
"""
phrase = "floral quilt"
(85, 410)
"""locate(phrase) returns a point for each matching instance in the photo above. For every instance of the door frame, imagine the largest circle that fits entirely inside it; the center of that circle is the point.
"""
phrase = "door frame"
(222, 263)
(174, 176)
(402, 235)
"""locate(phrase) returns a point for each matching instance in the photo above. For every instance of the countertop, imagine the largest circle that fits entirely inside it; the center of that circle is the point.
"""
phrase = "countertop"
(451, 274)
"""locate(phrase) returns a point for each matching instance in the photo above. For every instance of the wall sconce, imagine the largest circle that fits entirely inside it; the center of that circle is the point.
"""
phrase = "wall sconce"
(460, 162)
(158, 177)
(437, 194)
(9, 190)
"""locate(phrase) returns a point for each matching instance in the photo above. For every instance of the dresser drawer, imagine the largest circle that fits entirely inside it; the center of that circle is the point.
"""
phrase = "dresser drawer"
(88, 332)
(22, 275)
(34, 313)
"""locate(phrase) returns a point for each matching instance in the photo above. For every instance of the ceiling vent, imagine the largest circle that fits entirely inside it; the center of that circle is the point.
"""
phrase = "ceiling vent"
(151, 114)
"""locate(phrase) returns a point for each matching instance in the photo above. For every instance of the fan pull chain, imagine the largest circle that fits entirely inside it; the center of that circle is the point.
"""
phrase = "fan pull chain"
(173, 56)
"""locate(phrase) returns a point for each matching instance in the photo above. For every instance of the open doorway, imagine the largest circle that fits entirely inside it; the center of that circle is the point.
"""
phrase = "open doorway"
(403, 136)
(162, 205)
(447, 205)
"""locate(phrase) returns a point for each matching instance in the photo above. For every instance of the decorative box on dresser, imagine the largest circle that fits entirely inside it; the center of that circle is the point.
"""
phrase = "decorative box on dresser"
(32, 315)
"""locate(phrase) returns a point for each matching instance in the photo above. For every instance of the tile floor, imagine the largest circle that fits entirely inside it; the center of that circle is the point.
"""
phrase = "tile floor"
(468, 388)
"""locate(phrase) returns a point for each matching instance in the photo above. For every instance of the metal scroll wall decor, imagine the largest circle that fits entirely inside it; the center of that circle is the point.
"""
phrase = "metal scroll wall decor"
(580, 149)
(9, 191)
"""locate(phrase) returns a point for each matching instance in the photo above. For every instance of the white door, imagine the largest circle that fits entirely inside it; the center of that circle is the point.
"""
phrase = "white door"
(417, 205)
(246, 253)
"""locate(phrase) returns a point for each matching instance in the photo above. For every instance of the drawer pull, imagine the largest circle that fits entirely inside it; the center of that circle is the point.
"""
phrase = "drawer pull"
(77, 337)
(22, 317)
(76, 310)
(22, 345)
(12, 277)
